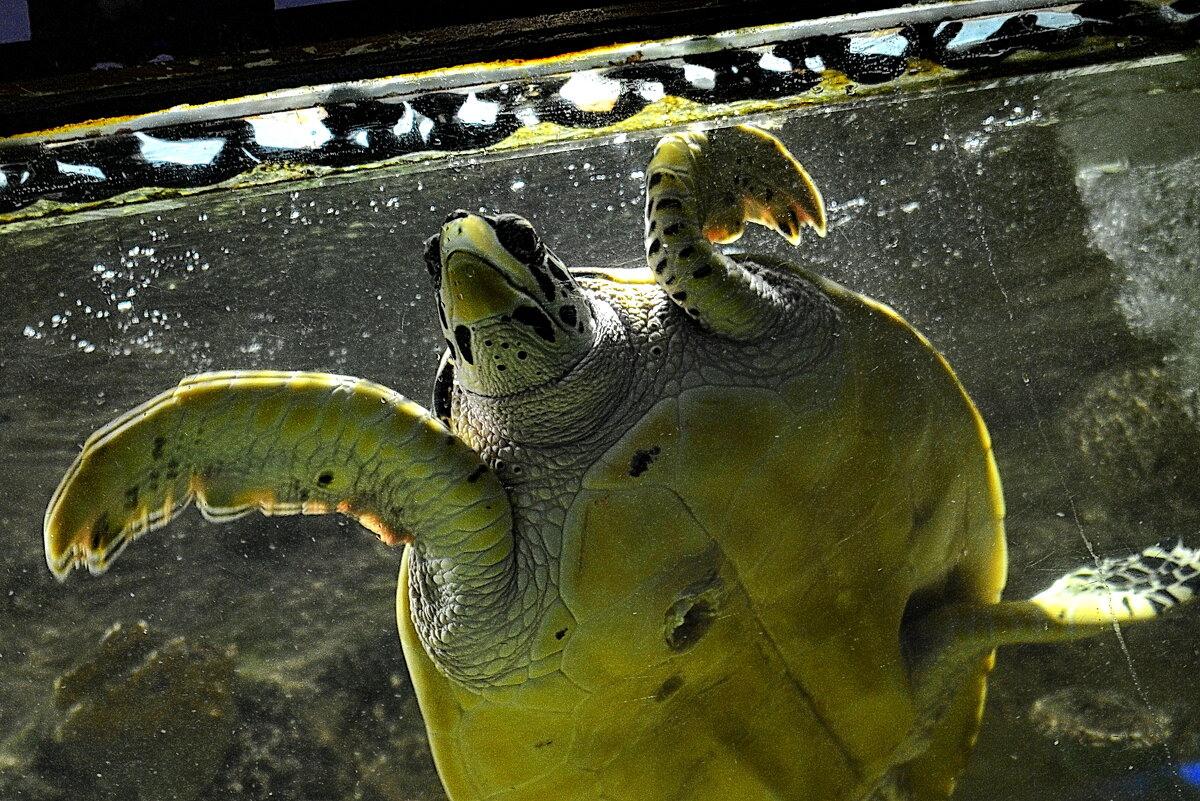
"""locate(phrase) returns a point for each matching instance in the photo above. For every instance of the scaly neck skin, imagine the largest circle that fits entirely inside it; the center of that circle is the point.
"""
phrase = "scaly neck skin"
(563, 411)
(488, 626)
(523, 336)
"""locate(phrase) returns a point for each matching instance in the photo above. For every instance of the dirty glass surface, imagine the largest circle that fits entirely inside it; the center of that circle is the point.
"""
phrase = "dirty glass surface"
(1042, 232)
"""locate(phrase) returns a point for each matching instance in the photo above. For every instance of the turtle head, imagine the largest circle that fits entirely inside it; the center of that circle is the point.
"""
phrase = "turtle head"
(512, 314)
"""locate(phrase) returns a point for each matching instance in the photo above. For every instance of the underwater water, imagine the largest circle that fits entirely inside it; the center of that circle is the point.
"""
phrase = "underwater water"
(1038, 231)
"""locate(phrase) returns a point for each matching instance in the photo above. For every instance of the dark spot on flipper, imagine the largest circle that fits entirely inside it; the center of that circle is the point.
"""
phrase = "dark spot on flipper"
(673, 229)
(536, 319)
(325, 479)
(476, 473)
(160, 442)
(462, 337)
(522, 354)
(641, 460)
(655, 247)
(99, 532)
(171, 474)
(1152, 564)
(703, 271)
(131, 498)
(669, 203)
(655, 180)
(543, 744)
(687, 252)
(558, 635)
(568, 315)
(658, 265)
(679, 296)
(668, 688)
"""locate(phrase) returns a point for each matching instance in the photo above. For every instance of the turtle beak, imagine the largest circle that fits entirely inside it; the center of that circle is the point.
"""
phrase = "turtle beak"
(433, 249)
(477, 277)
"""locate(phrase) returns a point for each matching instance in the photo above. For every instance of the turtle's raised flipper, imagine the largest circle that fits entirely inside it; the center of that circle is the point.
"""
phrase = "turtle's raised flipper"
(281, 443)
(703, 188)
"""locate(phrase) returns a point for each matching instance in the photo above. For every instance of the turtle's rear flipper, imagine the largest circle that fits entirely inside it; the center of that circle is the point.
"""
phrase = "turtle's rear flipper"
(1135, 588)
(1083, 603)
(281, 443)
(946, 647)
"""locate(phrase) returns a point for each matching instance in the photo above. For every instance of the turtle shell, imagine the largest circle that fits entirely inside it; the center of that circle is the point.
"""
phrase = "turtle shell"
(741, 547)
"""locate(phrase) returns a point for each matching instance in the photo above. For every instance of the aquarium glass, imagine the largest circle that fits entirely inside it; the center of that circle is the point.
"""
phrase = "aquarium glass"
(1035, 213)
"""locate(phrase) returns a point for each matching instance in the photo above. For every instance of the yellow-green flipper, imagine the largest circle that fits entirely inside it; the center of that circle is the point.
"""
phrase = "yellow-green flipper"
(703, 188)
(286, 443)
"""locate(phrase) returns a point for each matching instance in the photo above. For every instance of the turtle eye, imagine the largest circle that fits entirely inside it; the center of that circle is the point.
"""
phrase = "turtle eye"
(433, 257)
(517, 236)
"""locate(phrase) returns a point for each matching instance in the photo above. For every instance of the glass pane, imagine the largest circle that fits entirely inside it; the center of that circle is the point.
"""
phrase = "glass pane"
(1041, 230)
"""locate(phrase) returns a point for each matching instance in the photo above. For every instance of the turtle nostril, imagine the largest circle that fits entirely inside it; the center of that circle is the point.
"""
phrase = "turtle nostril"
(457, 214)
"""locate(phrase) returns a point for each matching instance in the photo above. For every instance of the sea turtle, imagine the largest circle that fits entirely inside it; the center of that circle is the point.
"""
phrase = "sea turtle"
(716, 528)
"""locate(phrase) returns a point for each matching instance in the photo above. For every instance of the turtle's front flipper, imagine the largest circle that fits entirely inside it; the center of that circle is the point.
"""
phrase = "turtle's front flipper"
(703, 188)
(1083, 603)
(282, 443)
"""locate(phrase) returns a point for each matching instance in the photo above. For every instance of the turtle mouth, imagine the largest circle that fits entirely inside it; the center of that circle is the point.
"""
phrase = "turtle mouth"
(433, 248)
(474, 289)
(481, 269)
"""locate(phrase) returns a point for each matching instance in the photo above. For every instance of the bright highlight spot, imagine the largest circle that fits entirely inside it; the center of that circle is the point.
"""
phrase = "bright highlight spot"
(478, 112)
(699, 77)
(87, 170)
(774, 63)
(302, 129)
(190, 152)
(591, 91)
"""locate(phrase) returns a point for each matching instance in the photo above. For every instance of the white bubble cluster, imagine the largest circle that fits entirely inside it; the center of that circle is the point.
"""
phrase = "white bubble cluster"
(111, 315)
